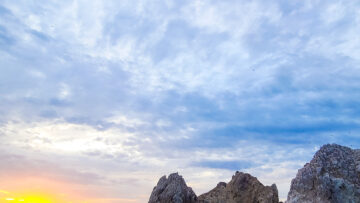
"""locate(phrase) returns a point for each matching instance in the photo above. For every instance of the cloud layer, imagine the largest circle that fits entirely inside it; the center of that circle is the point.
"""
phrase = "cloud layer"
(112, 95)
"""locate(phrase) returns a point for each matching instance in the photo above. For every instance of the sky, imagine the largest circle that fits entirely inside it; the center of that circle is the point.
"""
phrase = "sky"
(99, 99)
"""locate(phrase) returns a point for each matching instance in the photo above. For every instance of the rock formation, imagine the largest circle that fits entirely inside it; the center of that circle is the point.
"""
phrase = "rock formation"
(332, 176)
(172, 190)
(243, 188)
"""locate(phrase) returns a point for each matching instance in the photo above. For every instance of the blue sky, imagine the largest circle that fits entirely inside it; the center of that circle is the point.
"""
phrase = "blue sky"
(127, 91)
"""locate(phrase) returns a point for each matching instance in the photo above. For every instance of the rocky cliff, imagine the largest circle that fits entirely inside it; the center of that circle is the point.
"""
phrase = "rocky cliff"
(332, 176)
(172, 190)
(242, 188)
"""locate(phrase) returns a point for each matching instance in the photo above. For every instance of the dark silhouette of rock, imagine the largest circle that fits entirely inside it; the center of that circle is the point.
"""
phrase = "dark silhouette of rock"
(332, 176)
(243, 188)
(172, 190)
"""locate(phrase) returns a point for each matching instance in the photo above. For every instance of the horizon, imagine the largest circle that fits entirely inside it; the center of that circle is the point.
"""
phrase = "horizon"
(100, 99)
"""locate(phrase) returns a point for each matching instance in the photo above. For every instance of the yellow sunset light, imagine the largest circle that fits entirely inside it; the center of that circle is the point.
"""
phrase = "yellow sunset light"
(37, 190)
(31, 198)
(37, 199)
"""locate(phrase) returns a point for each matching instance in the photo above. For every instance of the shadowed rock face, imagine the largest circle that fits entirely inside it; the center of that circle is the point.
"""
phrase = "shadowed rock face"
(332, 176)
(172, 190)
(243, 188)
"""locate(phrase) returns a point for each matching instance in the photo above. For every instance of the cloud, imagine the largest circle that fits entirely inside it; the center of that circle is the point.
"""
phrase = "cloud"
(138, 89)
(230, 165)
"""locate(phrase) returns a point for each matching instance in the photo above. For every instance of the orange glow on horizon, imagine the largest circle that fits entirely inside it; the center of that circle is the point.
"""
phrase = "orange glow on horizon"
(48, 198)
(30, 197)
(42, 190)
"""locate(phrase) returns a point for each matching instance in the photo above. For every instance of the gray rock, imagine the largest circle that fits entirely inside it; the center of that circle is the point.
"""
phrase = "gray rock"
(172, 190)
(243, 188)
(332, 176)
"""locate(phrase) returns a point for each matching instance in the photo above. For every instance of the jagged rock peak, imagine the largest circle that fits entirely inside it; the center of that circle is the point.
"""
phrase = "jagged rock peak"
(332, 176)
(172, 190)
(243, 188)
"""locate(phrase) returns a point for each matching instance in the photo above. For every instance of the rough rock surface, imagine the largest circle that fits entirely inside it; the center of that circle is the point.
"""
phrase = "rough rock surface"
(172, 190)
(243, 188)
(332, 176)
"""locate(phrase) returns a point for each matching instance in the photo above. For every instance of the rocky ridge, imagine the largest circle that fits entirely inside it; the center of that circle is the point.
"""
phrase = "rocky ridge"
(242, 188)
(332, 176)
